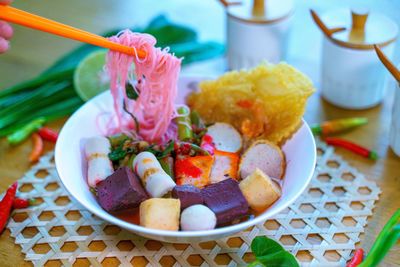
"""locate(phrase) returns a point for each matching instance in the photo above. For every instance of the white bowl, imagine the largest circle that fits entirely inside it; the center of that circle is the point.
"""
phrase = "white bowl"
(300, 154)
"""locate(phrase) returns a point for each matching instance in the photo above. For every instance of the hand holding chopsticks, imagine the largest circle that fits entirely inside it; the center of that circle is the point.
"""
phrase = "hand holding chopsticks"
(6, 31)
(29, 20)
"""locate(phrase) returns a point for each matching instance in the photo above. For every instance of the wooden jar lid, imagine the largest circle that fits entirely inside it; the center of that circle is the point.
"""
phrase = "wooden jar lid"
(261, 11)
(362, 29)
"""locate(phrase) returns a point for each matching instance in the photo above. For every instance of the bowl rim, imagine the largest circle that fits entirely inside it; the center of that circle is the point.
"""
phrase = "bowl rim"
(183, 234)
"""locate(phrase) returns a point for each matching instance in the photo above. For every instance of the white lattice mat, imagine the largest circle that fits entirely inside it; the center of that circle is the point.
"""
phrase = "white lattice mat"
(321, 228)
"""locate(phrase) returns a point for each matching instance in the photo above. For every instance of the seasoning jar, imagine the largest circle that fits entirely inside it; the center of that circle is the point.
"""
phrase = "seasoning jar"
(394, 139)
(257, 30)
(352, 76)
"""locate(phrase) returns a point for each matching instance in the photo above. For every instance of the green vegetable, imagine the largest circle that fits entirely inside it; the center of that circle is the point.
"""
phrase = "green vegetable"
(195, 118)
(117, 154)
(131, 159)
(195, 51)
(50, 113)
(185, 132)
(167, 164)
(199, 150)
(270, 253)
(117, 139)
(38, 81)
(163, 153)
(131, 92)
(24, 132)
(388, 237)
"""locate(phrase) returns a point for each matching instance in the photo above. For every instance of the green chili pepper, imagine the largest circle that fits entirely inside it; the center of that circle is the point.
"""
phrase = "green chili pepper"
(25, 131)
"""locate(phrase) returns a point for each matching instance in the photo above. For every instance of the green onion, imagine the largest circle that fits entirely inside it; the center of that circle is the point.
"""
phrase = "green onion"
(185, 132)
(39, 81)
(24, 132)
(167, 164)
(50, 113)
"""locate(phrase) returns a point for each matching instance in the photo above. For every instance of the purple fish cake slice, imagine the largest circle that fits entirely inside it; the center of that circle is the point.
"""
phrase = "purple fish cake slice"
(189, 195)
(121, 190)
(226, 200)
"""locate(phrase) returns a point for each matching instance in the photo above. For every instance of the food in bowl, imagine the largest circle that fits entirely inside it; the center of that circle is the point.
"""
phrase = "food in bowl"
(182, 167)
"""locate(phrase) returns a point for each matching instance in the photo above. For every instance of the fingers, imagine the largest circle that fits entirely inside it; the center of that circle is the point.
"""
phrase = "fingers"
(6, 31)
(5, 2)
(3, 45)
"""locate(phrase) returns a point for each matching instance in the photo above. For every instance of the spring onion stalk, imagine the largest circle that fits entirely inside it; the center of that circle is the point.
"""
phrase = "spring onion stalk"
(39, 81)
(185, 132)
(11, 118)
(50, 113)
(25, 131)
(389, 235)
(37, 97)
(195, 118)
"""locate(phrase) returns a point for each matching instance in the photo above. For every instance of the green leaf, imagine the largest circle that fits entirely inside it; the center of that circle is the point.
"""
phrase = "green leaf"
(262, 246)
(270, 253)
(279, 259)
(131, 93)
(196, 51)
(117, 154)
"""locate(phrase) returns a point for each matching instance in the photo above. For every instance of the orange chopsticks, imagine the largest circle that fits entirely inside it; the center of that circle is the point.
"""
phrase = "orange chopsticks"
(29, 20)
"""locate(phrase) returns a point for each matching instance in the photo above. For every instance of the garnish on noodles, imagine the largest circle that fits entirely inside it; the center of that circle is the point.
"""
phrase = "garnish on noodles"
(150, 115)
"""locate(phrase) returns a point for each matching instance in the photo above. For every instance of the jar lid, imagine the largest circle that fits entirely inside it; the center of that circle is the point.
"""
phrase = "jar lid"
(261, 11)
(362, 29)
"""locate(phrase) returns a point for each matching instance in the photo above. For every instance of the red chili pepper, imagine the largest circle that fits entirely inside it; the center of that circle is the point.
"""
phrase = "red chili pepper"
(352, 147)
(21, 203)
(6, 204)
(48, 134)
(357, 258)
(37, 149)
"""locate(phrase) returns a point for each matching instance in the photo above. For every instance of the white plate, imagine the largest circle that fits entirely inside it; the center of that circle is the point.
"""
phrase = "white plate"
(300, 154)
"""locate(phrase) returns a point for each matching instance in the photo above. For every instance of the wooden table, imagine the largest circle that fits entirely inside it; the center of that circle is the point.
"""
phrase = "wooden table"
(33, 51)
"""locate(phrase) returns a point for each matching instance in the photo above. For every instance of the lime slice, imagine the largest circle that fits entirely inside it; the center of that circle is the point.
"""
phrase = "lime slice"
(90, 79)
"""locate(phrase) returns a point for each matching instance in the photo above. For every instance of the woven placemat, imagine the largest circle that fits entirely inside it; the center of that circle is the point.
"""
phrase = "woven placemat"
(321, 228)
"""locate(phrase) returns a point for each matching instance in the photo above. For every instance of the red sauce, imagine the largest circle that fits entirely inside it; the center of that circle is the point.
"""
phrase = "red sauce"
(185, 167)
(132, 216)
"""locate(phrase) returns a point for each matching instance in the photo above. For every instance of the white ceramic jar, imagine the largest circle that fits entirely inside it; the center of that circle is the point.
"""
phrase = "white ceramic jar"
(395, 126)
(352, 76)
(257, 31)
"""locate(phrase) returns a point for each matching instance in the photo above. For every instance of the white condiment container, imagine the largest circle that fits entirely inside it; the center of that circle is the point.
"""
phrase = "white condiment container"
(257, 31)
(352, 76)
(394, 140)
(395, 126)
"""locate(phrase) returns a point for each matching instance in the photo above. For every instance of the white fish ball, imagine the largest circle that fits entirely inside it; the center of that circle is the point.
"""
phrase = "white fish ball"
(198, 218)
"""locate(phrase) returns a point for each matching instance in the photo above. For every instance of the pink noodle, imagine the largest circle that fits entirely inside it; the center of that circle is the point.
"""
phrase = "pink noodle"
(158, 75)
